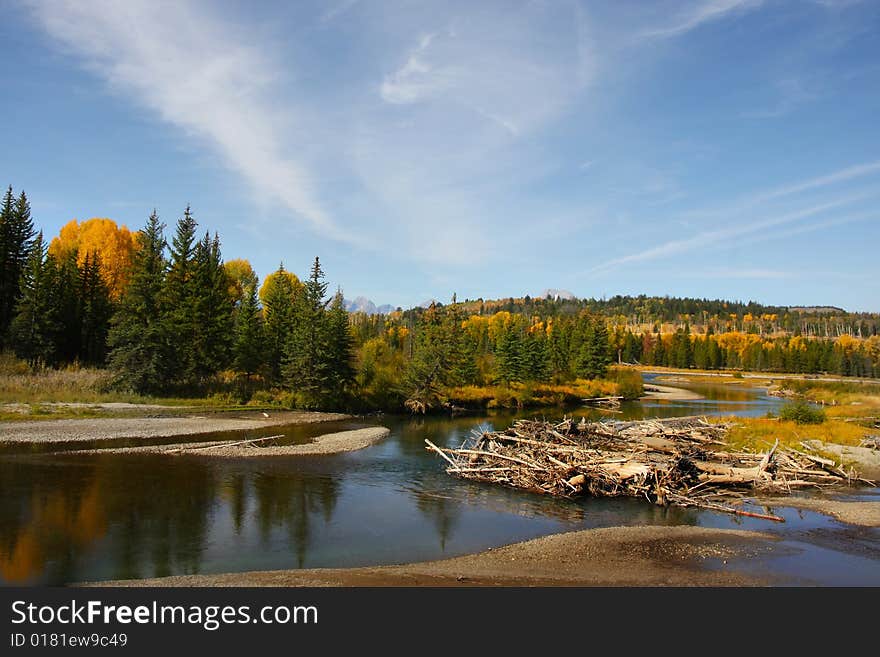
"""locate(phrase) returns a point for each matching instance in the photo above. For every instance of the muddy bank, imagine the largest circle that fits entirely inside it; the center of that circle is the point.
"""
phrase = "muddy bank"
(63, 431)
(864, 514)
(654, 391)
(330, 443)
(614, 556)
(865, 460)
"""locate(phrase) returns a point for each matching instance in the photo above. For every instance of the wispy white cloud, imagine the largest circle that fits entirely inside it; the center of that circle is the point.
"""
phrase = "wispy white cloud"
(731, 272)
(842, 175)
(199, 75)
(337, 9)
(725, 235)
(697, 14)
(792, 93)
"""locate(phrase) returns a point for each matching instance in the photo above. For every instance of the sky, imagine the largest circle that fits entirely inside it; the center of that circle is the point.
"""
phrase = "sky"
(706, 148)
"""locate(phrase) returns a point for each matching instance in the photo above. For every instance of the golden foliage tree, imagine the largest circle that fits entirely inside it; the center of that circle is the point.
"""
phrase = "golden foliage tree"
(241, 276)
(114, 245)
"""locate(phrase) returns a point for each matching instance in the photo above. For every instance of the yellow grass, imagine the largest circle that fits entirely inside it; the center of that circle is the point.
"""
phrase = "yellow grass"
(519, 395)
(758, 434)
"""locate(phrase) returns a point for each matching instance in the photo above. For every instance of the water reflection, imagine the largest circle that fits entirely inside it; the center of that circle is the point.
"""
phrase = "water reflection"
(68, 517)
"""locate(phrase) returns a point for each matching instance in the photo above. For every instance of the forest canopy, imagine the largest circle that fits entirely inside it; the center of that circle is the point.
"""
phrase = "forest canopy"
(167, 315)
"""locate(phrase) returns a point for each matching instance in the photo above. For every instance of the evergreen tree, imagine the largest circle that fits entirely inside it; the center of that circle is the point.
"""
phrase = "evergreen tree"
(16, 237)
(306, 368)
(278, 309)
(96, 310)
(510, 362)
(249, 335)
(593, 355)
(67, 294)
(181, 298)
(36, 324)
(339, 351)
(535, 356)
(429, 363)
(213, 310)
(138, 335)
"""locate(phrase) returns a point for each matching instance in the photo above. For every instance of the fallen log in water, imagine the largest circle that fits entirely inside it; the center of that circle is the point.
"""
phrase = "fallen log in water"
(679, 461)
(248, 443)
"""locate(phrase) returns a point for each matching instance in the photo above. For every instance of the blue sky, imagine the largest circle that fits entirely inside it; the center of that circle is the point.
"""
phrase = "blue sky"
(719, 148)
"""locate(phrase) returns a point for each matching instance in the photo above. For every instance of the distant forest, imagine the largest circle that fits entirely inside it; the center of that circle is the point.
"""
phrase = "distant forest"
(167, 315)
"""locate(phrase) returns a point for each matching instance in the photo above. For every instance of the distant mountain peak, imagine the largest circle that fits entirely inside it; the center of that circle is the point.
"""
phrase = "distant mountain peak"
(556, 295)
(366, 306)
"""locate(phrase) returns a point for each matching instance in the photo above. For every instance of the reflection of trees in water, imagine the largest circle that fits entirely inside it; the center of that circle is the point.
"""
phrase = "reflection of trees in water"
(290, 500)
(235, 490)
(162, 516)
(443, 512)
(46, 522)
(53, 513)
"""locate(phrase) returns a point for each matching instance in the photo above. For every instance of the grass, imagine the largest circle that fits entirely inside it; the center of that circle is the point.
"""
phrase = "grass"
(620, 381)
(50, 394)
(759, 434)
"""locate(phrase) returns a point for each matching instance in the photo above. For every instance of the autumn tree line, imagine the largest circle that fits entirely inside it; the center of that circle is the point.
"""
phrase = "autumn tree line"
(167, 315)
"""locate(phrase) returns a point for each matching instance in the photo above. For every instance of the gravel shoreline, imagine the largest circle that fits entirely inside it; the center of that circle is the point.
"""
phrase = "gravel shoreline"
(613, 556)
(328, 443)
(670, 393)
(63, 431)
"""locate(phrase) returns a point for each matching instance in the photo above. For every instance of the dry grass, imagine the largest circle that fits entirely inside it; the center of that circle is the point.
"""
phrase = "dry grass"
(760, 433)
(519, 395)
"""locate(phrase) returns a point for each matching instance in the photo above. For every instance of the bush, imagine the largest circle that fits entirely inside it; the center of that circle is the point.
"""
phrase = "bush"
(802, 412)
(629, 382)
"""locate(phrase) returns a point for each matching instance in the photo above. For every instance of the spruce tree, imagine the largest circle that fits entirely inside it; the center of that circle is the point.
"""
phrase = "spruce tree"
(593, 354)
(278, 310)
(429, 363)
(213, 310)
(249, 335)
(306, 366)
(67, 292)
(181, 301)
(36, 324)
(16, 236)
(96, 309)
(138, 336)
(339, 351)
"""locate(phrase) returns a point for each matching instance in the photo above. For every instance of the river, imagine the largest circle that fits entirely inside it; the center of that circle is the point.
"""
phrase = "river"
(73, 517)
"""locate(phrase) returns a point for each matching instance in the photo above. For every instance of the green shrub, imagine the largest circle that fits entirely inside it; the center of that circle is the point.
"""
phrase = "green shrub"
(802, 412)
(629, 382)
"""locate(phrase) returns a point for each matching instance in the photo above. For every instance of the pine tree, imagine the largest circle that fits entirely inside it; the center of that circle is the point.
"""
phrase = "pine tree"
(509, 360)
(35, 326)
(249, 334)
(67, 293)
(278, 310)
(306, 367)
(213, 309)
(593, 354)
(339, 351)
(96, 309)
(181, 300)
(429, 363)
(16, 236)
(138, 336)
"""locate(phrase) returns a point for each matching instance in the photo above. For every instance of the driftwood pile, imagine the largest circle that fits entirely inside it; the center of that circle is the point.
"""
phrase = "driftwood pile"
(681, 461)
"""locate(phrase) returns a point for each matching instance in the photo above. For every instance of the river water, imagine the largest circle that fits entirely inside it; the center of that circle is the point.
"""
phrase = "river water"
(73, 517)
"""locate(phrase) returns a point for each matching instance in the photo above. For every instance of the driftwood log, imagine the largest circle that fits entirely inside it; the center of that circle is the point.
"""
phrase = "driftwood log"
(678, 461)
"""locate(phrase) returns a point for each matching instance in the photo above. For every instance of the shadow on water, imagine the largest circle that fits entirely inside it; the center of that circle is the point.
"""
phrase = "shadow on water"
(77, 517)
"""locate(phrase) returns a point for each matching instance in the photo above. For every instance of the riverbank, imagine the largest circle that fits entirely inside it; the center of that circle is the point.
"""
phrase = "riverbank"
(669, 393)
(326, 444)
(97, 429)
(614, 556)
